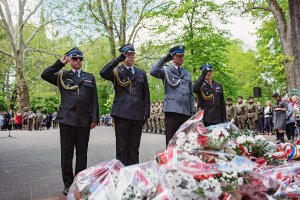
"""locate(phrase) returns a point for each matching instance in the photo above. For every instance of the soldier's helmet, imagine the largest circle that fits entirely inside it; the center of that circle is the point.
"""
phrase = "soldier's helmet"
(207, 67)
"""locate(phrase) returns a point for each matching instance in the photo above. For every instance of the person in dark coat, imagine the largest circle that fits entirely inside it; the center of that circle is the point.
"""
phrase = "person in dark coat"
(268, 115)
(279, 117)
(210, 97)
(48, 121)
(131, 105)
(260, 122)
(179, 99)
(78, 112)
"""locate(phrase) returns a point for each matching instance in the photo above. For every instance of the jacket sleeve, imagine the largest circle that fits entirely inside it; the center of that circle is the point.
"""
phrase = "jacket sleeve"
(107, 71)
(95, 104)
(50, 73)
(223, 108)
(289, 112)
(192, 100)
(198, 84)
(157, 70)
(146, 97)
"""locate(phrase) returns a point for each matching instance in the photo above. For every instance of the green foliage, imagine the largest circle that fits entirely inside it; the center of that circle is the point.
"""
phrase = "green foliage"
(3, 104)
(271, 58)
(47, 103)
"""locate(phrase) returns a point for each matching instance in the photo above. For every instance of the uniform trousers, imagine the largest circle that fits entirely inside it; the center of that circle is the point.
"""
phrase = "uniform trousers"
(290, 130)
(70, 137)
(172, 123)
(128, 137)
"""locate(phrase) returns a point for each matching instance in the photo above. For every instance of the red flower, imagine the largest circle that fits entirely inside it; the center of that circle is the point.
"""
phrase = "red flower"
(203, 176)
(261, 161)
(203, 140)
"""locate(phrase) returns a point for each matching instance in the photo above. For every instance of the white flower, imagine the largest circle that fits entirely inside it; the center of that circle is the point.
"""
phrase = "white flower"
(189, 147)
(240, 140)
(192, 136)
(250, 139)
(181, 135)
(211, 188)
(240, 181)
(219, 131)
(260, 137)
(180, 142)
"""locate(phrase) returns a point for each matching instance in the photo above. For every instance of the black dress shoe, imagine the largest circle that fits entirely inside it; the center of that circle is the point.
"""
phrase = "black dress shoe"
(65, 191)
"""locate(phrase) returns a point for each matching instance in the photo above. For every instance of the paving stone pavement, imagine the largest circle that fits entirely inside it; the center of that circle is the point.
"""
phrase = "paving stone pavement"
(30, 162)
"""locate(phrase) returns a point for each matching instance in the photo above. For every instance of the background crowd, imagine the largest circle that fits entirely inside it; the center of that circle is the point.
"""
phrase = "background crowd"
(246, 114)
(29, 120)
(281, 118)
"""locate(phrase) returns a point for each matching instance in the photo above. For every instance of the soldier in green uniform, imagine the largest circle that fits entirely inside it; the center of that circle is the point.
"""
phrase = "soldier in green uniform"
(151, 118)
(161, 118)
(252, 114)
(156, 117)
(241, 113)
(230, 110)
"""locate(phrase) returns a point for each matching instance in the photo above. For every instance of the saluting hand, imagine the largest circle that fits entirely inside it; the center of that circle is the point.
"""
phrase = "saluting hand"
(121, 57)
(93, 125)
(168, 57)
(65, 59)
(204, 73)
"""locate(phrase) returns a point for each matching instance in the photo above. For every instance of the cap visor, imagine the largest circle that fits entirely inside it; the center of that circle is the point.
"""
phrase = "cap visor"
(130, 51)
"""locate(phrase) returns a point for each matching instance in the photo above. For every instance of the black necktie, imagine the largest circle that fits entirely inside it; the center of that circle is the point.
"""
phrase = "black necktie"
(76, 73)
(130, 69)
(179, 71)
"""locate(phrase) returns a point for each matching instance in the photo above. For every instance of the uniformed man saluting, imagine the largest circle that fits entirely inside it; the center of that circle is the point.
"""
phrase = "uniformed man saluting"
(78, 111)
(210, 97)
(179, 100)
(131, 106)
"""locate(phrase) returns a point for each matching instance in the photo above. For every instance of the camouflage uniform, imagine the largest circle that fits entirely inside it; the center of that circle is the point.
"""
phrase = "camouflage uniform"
(155, 122)
(252, 116)
(230, 112)
(150, 130)
(161, 118)
(241, 115)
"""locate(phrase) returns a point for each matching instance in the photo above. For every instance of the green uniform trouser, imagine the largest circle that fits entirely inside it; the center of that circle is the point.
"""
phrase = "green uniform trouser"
(242, 122)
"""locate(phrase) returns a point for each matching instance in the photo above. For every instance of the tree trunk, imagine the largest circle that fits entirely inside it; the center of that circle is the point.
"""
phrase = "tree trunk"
(289, 33)
(22, 88)
(7, 90)
(123, 23)
(294, 8)
(112, 42)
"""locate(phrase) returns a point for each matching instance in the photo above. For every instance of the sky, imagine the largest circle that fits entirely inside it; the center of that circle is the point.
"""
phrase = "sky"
(244, 29)
(241, 28)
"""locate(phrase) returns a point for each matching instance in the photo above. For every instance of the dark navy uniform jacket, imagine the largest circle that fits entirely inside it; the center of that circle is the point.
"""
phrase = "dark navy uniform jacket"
(133, 101)
(214, 109)
(78, 107)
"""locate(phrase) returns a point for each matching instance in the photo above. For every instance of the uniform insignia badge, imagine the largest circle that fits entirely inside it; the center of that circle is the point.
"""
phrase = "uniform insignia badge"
(88, 81)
